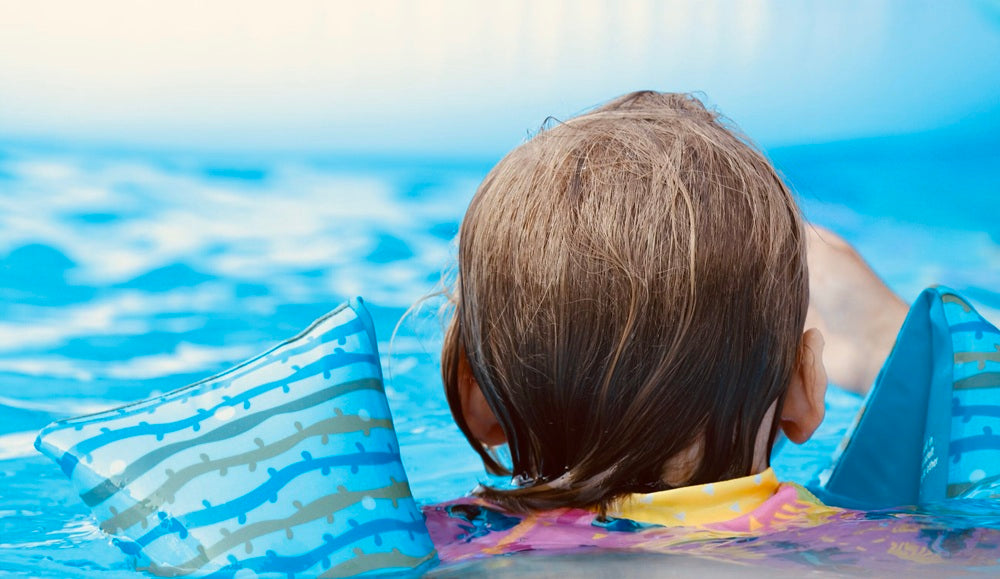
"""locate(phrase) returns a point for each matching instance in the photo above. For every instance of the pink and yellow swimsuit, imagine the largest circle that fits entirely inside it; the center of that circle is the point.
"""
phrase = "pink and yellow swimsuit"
(753, 519)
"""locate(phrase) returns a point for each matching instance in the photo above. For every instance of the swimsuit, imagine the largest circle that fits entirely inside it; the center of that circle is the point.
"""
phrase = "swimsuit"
(752, 520)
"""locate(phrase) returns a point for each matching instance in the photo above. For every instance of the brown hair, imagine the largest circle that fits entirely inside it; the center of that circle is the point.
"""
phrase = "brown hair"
(630, 283)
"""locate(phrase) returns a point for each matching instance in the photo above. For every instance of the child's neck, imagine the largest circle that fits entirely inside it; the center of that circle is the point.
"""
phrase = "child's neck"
(681, 467)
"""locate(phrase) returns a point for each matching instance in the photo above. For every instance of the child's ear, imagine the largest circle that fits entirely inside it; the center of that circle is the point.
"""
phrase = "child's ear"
(476, 411)
(805, 401)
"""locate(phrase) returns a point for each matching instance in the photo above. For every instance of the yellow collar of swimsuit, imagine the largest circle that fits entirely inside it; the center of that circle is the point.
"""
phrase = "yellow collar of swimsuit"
(702, 504)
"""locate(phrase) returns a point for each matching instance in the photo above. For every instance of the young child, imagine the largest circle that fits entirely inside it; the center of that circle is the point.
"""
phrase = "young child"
(631, 321)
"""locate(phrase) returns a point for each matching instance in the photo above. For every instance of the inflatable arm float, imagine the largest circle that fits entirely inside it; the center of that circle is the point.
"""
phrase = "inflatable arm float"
(283, 465)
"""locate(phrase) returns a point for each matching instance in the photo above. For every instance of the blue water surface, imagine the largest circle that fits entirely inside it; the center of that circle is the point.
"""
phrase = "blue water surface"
(125, 275)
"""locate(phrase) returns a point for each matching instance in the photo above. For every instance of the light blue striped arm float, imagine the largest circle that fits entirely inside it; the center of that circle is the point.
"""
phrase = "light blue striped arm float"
(285, 465)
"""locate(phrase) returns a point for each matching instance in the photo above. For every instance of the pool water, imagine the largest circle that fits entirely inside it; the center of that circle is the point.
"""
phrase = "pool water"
(124, 275)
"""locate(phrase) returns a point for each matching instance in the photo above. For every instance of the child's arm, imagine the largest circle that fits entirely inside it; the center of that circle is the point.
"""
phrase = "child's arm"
(857, 313)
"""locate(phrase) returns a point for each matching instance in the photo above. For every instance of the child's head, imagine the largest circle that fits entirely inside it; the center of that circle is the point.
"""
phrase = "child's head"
(630, 305)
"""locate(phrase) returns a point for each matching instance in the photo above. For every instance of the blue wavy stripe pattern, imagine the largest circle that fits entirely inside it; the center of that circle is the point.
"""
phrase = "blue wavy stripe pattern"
(333, 361)
(268, 491)
(988, 441)
(974, 446)
(109, 487)
(979, 327)
(974, 410)
(283, 351)
(274, 563)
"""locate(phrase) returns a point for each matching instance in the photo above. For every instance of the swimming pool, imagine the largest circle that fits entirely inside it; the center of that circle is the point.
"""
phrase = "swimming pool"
(125, 274)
